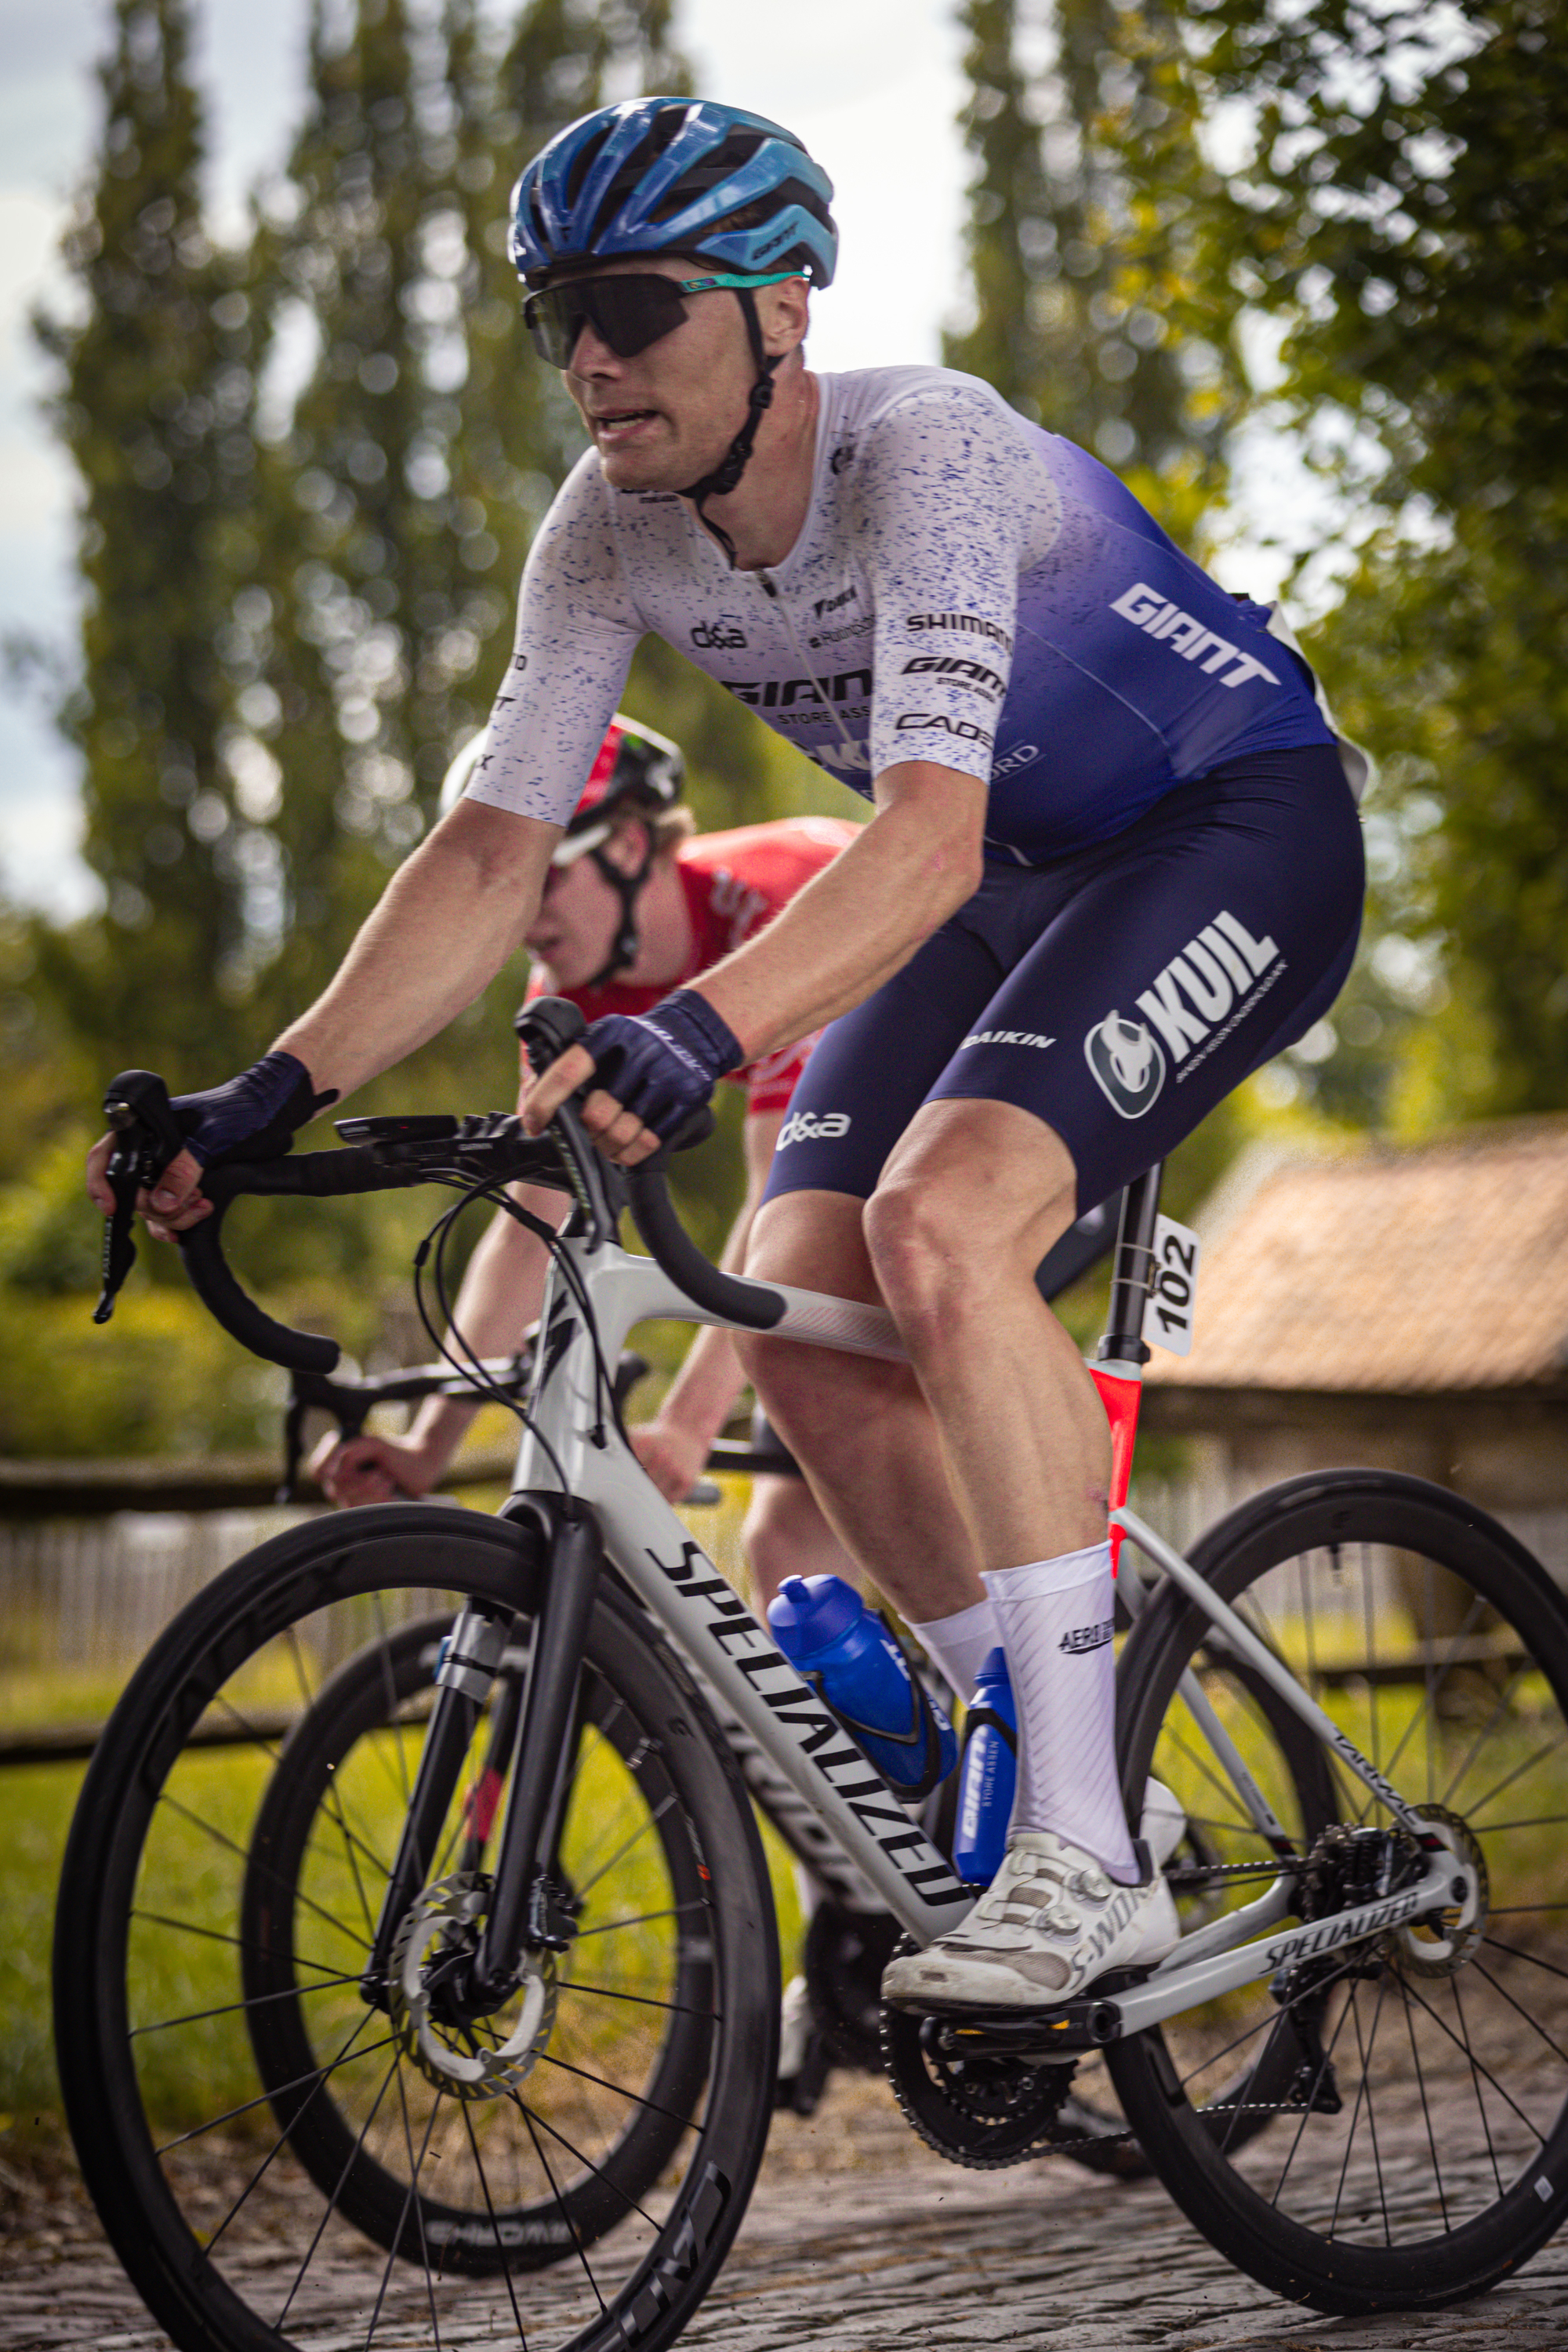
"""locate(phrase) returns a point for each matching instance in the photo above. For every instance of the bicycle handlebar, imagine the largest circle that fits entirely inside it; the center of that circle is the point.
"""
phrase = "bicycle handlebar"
(491, 1148)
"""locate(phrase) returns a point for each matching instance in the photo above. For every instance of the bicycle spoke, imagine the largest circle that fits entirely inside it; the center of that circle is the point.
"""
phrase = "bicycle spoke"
(1426, 2108)
(644, 2001)
(576, 2237)
(1318, 2079)
(230, 2007)
(248, 2106)
(637, 2098)
(282, 2137)
(495, 2226)
(655, 1816)
(1534, 2024)
(639, 1919)
(222, 1838)
(330, 2205)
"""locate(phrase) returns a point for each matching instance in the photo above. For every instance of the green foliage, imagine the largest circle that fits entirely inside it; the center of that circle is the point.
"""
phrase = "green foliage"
(1402, 216)
(295, 610)
(1081, 248)
(157, 381)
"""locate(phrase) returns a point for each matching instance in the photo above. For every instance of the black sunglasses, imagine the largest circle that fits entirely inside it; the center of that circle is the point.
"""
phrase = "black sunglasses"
(628, 313)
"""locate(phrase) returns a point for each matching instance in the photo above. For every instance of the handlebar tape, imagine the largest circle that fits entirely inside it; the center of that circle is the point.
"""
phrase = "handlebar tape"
(749, 1304)
(320, 1174)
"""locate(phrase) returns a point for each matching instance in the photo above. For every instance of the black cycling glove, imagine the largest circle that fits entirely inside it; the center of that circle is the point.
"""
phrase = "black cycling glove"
(663, 1065)
(253, 1116)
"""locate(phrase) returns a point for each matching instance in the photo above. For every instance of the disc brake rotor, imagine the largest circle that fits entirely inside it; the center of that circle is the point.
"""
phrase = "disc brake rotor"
(441, 1925)
(1439, 1943)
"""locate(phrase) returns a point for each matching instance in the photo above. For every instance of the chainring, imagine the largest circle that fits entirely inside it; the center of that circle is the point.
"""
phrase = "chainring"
(986, 2111)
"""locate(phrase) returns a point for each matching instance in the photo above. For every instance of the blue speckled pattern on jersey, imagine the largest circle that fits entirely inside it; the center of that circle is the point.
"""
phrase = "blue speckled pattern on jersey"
(966, 589)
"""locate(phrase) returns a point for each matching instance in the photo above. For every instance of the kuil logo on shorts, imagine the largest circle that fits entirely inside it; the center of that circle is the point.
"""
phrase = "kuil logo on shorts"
(813, 1126)
(1087, 1637)
(1127, 1061)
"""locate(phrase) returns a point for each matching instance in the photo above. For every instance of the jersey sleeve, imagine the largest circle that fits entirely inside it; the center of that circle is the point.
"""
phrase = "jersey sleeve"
(576, 632)
(952, 504)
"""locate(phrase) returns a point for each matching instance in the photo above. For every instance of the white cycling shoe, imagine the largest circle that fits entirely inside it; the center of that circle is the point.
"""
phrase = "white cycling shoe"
(1050, 1922)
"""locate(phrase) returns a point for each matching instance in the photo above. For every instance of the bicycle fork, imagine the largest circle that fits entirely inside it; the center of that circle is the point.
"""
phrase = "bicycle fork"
(542, 1734)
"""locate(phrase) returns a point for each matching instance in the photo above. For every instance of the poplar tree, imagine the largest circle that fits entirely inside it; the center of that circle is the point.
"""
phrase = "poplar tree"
(1085, 144)
(156, 374)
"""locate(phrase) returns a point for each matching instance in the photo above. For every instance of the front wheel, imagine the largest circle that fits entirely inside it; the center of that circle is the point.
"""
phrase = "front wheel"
(282, 2151)
(1415, 2085)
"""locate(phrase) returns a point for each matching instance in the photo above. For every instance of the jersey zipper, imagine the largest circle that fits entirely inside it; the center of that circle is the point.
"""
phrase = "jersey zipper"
(772, 589)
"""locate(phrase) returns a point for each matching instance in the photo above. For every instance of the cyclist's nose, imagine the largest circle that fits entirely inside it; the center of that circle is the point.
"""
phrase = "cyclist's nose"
(591, 355)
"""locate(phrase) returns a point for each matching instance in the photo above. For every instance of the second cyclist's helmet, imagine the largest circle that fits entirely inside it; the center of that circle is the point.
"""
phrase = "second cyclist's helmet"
(634, 769)
(674, 175)
(637, 771)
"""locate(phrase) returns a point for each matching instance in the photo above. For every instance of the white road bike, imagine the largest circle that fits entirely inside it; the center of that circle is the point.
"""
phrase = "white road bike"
(416, 1969)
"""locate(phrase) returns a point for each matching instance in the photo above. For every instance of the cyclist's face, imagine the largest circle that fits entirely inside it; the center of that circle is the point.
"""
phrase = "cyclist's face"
(574, 930)
(665, 417)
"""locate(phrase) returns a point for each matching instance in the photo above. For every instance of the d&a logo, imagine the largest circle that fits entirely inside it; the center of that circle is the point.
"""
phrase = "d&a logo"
(1127, 1061)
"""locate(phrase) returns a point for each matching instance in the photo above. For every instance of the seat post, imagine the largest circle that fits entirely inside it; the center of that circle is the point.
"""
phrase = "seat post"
(1132, 1268)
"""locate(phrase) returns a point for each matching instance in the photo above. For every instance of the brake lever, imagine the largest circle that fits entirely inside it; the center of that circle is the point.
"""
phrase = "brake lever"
(123, 1176)
(136, 1104)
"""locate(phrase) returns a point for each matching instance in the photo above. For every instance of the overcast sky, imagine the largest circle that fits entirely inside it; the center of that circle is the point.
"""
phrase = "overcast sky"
(882, 120)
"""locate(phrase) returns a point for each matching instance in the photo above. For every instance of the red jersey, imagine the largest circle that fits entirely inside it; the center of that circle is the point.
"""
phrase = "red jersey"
(735, 883)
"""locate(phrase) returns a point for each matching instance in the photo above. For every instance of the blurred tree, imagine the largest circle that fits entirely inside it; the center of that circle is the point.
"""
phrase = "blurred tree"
(1402, 215)
(1085, 135)
(157, 362)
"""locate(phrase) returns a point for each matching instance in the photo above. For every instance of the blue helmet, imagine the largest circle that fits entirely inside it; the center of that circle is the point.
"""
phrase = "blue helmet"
(674, 175)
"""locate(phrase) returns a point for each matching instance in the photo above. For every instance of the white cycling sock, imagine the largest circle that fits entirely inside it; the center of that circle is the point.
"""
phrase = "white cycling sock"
(960, 1644)
(1056, 1619)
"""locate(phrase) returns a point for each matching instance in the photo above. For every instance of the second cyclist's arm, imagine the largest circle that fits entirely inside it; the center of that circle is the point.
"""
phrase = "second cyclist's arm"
(674, 1445)
(499, 1299)
(864, 916)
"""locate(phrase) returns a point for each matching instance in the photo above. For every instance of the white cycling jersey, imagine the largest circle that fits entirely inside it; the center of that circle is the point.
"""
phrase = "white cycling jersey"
(966, 589)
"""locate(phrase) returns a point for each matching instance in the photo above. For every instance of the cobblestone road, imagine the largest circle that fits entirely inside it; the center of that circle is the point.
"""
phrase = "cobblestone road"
(860, 2241)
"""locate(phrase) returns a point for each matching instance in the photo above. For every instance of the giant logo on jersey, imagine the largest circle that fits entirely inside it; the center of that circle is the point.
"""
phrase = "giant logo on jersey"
(780, 693)
(971, 674)
(1194, 1002)
(1158, 617)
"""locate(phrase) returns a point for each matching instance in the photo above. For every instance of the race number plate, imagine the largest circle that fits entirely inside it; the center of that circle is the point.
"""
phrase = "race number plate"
(1168, 1317)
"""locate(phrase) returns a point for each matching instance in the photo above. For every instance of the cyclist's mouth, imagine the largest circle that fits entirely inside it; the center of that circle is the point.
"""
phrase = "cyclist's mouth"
(618, 425)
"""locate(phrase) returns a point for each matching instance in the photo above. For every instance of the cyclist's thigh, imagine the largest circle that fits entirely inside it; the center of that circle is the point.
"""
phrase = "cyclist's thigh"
(1212, 933)
(872, 1069)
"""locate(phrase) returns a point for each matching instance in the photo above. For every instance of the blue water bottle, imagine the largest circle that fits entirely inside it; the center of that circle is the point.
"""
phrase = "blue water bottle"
(850, 1656)
(990, 1774)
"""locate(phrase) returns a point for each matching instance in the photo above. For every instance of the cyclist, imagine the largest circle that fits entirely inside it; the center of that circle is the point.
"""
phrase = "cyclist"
(1114, 865)
(637, 903)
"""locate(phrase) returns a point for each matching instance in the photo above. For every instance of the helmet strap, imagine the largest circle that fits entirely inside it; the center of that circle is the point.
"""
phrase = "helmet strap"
(628, 888)
(727, 473)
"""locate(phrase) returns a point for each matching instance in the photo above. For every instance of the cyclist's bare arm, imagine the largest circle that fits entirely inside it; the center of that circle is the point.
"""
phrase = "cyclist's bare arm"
(499, 1298)
(673, 1446)
(445, 925)
(851, 927)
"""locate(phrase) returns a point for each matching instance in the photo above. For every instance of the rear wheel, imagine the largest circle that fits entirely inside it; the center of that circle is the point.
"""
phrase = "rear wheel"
(1416, 2084)
(281, 2153)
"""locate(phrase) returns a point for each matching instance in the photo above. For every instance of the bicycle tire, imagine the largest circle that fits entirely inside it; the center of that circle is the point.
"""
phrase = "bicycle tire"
(230, 2241)
(304, 1805)
(1427, 2153)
